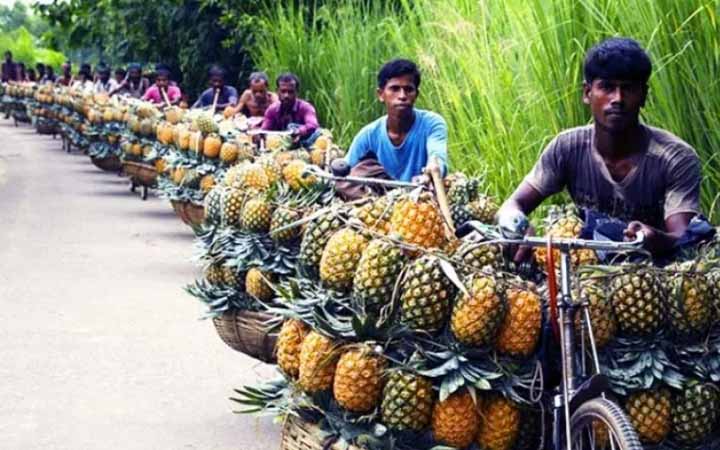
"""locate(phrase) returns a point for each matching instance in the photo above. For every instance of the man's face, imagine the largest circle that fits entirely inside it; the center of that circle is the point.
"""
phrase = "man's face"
(287, 91)
(259, 89)
(217, 82)
(104, 76)
(66, 69)
(162, 81)
(615, 104)
(134, 74)
(8, 56)
(119, 77)
(399, 94)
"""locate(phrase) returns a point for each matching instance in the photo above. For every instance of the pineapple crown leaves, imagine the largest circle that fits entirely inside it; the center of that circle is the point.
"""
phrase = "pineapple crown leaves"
(219, 299)
(274, 397)
(701, 360)
(632, 364)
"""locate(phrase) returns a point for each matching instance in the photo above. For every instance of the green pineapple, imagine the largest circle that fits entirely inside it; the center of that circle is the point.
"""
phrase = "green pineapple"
(639, 301)
(316, 235)
(407, 401)
(426, 295)
(376, 274)
(694, 412)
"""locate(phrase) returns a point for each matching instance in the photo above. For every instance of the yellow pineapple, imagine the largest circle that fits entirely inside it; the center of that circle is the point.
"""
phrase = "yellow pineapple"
(455, 421)
(477, 316)
(520, 331)
(318, 357)
(294, 177)
(358, 379)
(256, 215)
(288, 346)
(207, 182)
(341, 257)
(650, 413)
(418, 222)
(567, 225)
(500, 425)
(259, 284)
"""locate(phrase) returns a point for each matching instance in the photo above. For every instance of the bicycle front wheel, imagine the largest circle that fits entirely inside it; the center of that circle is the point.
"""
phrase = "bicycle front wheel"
(601, 424)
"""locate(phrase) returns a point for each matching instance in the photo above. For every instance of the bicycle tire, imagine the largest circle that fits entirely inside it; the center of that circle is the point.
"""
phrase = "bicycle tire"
(612, 416)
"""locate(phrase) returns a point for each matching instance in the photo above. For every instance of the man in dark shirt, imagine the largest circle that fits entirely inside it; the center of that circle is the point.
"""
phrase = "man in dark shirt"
(227, 95)
(291, 113)
(9, 72)
(617, 166)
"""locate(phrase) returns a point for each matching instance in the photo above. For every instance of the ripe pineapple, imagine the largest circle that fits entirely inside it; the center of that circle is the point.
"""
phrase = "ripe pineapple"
(358, 379)
(418, 222)
(271, 168)
(426, 295)
(232, 206)
(229, 152)
(289, 342)
(293, 175)
(214, 274)
(484, 209)
(477, 317)
(500, 424)
(259, 284)
(694, 412)
(690, 306)
(281, 217)
(230, 276)
(318, 357)
(315, 238)
(602, 316)
(256, 215)
(650, 414)
(565, 225)
(212, 145)
(638, 300)
(376, 273)
(476, 255)
(213, 204)
(407, 401)
(376, 215)
(520, 331)
(341, 257)
(207, 182)
(455, 421)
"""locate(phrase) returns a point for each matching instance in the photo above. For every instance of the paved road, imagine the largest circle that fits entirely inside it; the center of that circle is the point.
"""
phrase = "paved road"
(99, 346)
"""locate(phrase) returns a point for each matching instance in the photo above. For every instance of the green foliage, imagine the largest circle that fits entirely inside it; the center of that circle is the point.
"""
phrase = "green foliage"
(22, 45)
(505, 75)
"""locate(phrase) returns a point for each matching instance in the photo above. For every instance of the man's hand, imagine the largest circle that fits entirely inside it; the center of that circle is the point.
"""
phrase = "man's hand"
(295, 134)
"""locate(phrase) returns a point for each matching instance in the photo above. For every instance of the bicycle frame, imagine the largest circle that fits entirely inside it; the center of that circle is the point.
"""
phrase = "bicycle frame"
(572, 395)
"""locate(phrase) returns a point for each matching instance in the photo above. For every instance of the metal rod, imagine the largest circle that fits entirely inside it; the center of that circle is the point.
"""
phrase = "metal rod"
(566, 340)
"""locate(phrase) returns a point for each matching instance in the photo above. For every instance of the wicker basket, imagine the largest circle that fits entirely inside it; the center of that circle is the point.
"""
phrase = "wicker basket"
(45, 128)
(190, 213)
(248, 332)
(109, 164)
(141, 174)
(179, 208)
(299, 434)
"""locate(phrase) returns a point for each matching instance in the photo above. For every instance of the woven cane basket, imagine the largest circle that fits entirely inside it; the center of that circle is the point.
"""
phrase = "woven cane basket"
(109, 164)
(142, 174)
(299, 434)
(195, 213)
(248, 332)
(179, 208)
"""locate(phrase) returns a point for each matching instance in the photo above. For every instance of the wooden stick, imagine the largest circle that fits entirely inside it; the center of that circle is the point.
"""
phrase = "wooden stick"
(165, 96)
(215, 100)
(441, 197)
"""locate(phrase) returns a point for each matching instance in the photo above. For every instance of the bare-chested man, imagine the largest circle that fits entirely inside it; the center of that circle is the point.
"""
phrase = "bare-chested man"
(256, 98)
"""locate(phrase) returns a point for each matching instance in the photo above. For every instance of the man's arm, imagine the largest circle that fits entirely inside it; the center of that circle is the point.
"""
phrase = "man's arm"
(437, 145)
(659, 242)
(359, 148)
(310, 121)
(269, 119)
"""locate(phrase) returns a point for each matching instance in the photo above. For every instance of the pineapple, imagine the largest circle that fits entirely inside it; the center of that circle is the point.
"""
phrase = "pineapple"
(691, 309)
(233, 206)
(565, 225)
(476, 255)
(230, 276)
(206, 124)
(251, 175)
(455, 421)
(713, 280)
(281, 217)
(358, 379)
(500, 425)
(341, 257)
(273, 172)
(256, 215)
(407, 401)
(460, 214)
(376, 215)
(318, 357)
(213, 204)
(602, 317)
(694, 412)
(212, 145)
(376, 273)
(638, 300)
(293, 175)
(229, 152)
(650, 414)
(214, 274)
(476, 318)
(207, 182)
(484, 209)
(520, 330)
(289, 342)
(426, 295)
(314, 239)
(418, 222)
(258, 284)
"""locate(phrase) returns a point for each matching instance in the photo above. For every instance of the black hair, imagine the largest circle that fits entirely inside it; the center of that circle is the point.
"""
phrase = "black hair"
(397, 68)
(216, 71)
(102, 68)
(162, 70)
(8, 53)
(86, 70)
(120, 71)
(288, 77)
(617, 59)
(258, 76)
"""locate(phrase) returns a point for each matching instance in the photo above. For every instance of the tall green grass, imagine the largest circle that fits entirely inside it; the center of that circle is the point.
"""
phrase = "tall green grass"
(506, 75)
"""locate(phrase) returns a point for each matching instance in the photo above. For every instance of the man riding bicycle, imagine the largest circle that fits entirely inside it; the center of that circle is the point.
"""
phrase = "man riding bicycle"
(618, 167)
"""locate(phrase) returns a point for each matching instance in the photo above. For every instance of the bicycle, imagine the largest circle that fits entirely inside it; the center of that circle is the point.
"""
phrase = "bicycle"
(581, 402)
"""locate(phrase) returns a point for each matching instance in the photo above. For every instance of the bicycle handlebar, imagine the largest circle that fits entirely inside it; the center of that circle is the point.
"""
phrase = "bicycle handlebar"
(564, 243)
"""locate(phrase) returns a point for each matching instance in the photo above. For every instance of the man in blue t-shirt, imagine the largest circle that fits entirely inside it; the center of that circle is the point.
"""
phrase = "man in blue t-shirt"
(406, 141)
(227, 95)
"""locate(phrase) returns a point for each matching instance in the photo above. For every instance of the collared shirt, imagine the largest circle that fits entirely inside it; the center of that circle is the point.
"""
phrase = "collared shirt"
(154, 95)
(427, 138)
(302, 113)
(228, 95)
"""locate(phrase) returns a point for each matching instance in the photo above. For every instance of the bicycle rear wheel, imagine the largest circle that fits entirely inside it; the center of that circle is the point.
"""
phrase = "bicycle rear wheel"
(601, 424)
